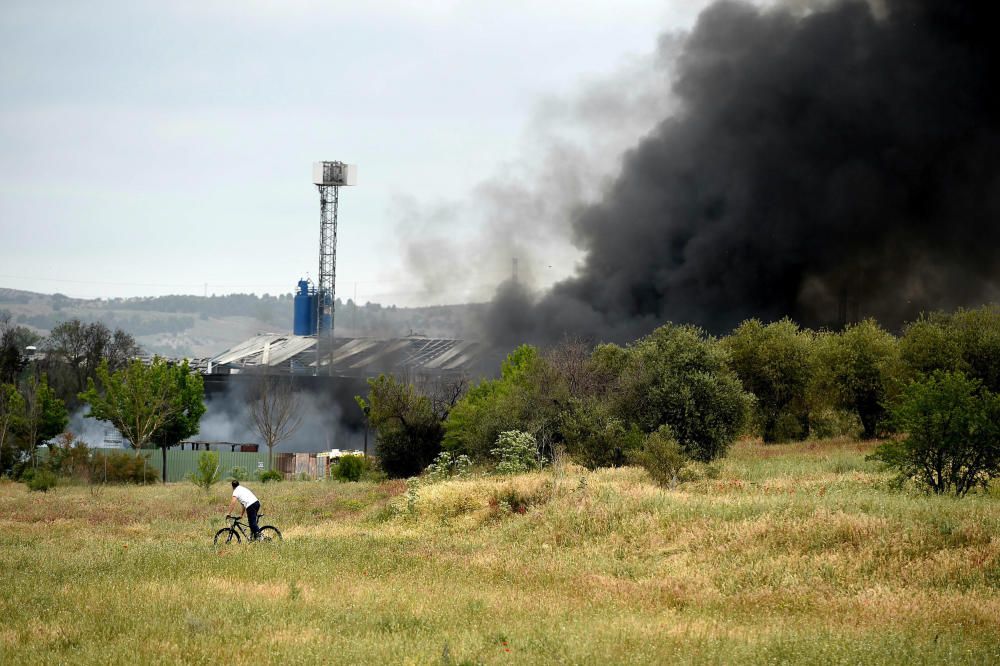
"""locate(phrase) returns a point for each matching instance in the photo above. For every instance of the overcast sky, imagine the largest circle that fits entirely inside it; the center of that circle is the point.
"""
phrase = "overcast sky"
(155, 147)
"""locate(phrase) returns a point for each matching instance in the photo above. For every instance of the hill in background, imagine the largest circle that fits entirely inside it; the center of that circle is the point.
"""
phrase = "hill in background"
(198, 326)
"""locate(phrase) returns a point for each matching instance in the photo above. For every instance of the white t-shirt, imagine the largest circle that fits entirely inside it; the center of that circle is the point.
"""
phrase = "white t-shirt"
(243, 494)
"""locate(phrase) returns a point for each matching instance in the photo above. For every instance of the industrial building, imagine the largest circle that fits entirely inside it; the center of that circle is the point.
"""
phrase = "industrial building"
(354, 357)
(330, 370)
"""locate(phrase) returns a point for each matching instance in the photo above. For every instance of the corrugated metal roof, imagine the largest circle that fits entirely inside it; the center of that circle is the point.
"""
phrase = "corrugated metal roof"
(359, 356)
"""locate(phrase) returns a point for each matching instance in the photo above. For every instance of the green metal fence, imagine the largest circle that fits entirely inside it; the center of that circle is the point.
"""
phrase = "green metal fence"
(182, 463)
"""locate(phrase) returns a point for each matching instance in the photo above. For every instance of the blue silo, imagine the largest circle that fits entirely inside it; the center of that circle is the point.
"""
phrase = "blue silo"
(303, 322)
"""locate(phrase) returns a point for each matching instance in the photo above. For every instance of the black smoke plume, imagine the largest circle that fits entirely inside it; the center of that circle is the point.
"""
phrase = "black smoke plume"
(839, 162)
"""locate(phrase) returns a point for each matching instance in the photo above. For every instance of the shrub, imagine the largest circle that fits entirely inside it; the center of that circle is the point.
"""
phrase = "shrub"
(409, 431)
(525, 398)
(966, 340)
(827, 422)
(269, 475)
(349, 468)
(928, 345)
(595, 437)
(449, 465)
(238, 474)
(661, 456)
(698, 471)
(208, 472)
(511, 499)
(517, 452)
(69, 457)
(952, 440)
(677, 376)
(121, 467)
(859, 370)
(775, 363)
(978, 333)
(41, 480)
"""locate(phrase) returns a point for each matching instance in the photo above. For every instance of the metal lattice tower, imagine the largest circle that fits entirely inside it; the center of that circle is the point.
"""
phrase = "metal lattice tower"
(328, 177)
(329, 198)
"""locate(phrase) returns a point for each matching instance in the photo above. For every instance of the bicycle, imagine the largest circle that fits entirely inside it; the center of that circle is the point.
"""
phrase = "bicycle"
(238, 531)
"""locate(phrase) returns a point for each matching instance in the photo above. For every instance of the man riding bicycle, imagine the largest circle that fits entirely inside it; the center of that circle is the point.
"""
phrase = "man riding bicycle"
(250, 506)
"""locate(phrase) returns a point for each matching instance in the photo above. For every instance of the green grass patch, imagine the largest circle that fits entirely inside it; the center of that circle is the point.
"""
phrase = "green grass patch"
(794, 553)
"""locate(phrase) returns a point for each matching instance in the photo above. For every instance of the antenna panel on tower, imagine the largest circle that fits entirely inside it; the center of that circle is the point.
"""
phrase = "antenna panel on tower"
(335, 173)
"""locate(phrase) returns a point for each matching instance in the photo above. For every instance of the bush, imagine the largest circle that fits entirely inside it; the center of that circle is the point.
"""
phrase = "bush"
(928, 344)
(677, 376)
(449, 465)
(349, 468)
(952, 440)
(966, 340)
(978, 333)
(269, 475)
(121, 467)
(825, 423)
(208, 470)
(859, 370)
(238, 474)
(409, 431)
(595, 437)
(511, 499)
(524, 398)
(775, 363)
(517, 452)
(662, 457)
(41, 480)
(69, 457)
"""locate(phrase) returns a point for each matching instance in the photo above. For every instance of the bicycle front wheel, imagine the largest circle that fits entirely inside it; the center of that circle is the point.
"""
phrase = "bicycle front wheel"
(268, 534)
(226, 535)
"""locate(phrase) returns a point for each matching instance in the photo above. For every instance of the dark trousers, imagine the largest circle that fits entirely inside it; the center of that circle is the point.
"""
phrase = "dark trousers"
(252, 518)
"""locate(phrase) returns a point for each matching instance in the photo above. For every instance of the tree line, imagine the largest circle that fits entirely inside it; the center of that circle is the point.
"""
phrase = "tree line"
(154, 403)
(680, 395)
(88, 364)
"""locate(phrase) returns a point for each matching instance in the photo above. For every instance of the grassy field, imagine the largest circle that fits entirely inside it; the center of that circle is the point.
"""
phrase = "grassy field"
(800, 553)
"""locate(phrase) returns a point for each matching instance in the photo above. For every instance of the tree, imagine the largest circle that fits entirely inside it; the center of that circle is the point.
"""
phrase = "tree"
(775, 363)
(595, 435)
(13, 341)
(928, 344)
(964, 340)
(75, 351)
(528, 396)
(185, 419)
(11, 414)
(677, 376)
(138, 399)
(978, 332)
(275, 411)
(859, 370)
(45, 414)
(952, 440)
(121, 349)
(408, 431)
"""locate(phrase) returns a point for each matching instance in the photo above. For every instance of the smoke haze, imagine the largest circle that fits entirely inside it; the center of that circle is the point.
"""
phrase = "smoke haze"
(459, 250)
(227, 419)
(808, 158)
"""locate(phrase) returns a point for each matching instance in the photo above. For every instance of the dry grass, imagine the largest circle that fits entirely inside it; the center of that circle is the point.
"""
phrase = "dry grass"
(795, 553)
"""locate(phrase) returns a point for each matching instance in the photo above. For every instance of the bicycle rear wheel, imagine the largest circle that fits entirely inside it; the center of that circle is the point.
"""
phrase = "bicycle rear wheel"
(226, 535)
(269, 533)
